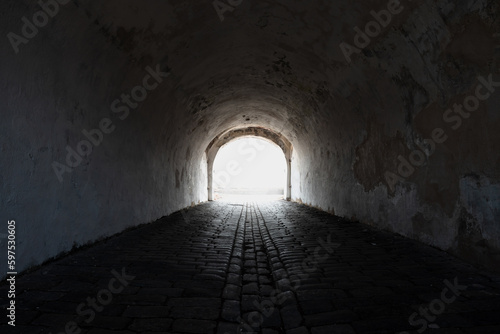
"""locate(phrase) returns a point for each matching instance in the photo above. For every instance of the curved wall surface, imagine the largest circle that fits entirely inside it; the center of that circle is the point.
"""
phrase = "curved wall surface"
(391, 109)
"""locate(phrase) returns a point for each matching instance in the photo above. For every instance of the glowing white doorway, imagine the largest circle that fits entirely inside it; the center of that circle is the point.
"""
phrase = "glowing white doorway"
(249, 166)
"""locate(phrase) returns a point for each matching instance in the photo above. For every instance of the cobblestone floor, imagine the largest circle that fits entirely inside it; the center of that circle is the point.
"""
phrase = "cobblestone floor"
(275, 267)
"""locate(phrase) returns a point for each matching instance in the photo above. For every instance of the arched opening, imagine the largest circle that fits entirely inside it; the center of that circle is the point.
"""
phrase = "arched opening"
(255, 132)
(249, 166)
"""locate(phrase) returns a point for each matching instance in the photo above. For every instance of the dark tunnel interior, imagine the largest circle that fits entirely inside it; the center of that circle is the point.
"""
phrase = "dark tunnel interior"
(387, 114)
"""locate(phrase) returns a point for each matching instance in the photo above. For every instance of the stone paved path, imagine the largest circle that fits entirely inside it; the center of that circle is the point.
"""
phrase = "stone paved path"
(276, 267)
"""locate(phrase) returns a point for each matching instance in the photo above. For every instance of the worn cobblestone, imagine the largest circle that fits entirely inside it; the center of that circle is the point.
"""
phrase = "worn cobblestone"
(276, 267)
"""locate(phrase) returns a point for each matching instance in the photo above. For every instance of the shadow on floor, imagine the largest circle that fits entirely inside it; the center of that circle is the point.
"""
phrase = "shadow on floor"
(265, 266)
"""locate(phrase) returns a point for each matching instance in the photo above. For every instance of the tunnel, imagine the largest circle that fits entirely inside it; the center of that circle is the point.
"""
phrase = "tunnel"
(114, 112)
(227, 137)
(250, 165)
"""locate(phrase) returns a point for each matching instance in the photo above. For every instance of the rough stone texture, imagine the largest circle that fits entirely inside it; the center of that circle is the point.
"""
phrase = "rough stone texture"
(323, 275)
(271, 64)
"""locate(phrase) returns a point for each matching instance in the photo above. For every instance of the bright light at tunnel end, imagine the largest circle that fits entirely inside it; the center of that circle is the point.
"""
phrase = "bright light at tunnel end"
(249, 166)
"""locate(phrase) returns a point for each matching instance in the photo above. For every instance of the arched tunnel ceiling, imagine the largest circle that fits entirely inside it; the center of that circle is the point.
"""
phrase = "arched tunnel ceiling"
(244, 131)
(276, 65)
(231, 134)
(279, 65)
(269, 62)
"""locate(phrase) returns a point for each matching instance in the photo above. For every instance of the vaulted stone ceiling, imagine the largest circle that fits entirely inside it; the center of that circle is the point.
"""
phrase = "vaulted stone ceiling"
(356, 87)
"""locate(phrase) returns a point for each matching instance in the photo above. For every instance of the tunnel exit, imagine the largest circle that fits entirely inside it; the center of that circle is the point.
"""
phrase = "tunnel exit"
(249, 166)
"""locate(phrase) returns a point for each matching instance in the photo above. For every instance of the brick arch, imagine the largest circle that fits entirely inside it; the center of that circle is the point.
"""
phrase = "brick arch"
(232, 134)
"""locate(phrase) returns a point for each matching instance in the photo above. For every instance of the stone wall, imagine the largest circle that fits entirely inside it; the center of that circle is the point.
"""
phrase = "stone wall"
(161, 80)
